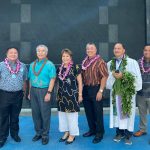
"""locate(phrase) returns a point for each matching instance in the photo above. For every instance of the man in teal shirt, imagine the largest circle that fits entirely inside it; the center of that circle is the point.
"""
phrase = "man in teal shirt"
(42, 74)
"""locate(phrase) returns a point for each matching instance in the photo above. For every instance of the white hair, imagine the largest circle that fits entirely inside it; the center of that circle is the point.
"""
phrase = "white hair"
(43, 46)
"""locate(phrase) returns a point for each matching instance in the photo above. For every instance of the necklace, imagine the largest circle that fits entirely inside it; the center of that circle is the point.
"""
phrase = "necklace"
(61, 75)
(37, 73)
(124, 88)
(84, 67)
(6, 61)
(142, 66)
(123, 63)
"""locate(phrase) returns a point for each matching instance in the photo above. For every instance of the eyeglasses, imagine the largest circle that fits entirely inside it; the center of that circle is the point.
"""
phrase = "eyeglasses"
(38, 52)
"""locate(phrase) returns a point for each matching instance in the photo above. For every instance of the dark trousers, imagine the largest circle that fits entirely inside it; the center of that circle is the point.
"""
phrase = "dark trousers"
(10, 107)
(125, 132)
(41, 111)
(93, 109)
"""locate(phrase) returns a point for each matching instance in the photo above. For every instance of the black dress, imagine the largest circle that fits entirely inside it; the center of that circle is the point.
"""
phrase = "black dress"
(67, 97)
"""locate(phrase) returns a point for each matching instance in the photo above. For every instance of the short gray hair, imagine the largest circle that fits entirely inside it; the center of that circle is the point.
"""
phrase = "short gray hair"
(43, 46)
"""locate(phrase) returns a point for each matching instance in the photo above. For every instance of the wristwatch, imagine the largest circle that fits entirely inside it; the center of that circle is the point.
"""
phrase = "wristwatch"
(49, 92)
(101, 90)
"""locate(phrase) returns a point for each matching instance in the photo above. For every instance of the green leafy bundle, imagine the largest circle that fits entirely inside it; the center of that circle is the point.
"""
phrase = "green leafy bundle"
(126, 89)
(123, 87)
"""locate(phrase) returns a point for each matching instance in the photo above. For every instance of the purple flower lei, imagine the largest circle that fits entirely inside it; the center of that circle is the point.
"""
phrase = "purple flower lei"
(10, 69)
(91, 61)
(142, 66)
(63, 76)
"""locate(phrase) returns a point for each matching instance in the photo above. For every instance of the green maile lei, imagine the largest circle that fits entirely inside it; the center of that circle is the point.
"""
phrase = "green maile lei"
(123, 87)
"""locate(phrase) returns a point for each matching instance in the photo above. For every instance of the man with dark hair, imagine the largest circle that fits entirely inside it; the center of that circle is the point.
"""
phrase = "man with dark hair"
(143, 98)
(94, 73)
(13, 76)
(123, 81)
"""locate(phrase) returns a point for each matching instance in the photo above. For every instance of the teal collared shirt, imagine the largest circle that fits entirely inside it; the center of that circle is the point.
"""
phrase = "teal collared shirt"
(43, 79)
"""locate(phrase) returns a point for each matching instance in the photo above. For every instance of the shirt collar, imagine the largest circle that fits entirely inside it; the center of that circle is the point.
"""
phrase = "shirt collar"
(11, 63)
(89, 58)
(119, 59)
(41, 61)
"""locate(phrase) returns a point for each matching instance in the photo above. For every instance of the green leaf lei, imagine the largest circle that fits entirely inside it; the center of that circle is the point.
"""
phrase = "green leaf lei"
(123, 87)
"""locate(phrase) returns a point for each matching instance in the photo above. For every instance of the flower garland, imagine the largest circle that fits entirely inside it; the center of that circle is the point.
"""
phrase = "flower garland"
(91, 61)
(123, 87)
(33, 68)
(6, 61)
(123, 63)
(142, 66)
(63, 76)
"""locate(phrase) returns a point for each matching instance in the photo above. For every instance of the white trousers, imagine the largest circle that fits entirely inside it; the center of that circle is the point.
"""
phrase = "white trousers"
(68, 122)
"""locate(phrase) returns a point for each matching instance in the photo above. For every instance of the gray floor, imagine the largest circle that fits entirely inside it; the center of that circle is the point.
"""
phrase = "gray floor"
(27, 112)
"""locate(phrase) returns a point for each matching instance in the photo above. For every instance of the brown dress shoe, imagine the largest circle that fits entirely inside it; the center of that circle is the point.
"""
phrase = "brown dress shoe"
(139, 133)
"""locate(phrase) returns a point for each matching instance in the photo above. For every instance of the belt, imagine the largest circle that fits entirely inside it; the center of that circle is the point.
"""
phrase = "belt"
(11, 91)
(97, 85)
(38, 87)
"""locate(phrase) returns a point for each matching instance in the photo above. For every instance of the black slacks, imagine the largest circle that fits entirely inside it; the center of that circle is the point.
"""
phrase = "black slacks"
(93, 109)
(10, 107)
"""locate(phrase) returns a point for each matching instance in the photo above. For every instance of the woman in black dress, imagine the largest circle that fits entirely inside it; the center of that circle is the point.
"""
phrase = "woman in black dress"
(69, 96)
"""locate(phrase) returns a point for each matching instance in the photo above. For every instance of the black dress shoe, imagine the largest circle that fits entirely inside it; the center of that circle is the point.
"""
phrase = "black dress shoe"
(70, 142)
(63, 140)
(16, 138)
(45, 140)
(88, 134)
(36, 138)
(2, 143)
(97, 139)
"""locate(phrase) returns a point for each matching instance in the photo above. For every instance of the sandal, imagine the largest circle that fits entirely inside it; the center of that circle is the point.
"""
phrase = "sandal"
(64, 138)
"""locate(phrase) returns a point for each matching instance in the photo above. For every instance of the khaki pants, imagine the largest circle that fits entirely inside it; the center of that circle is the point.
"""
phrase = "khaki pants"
(144, 107)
